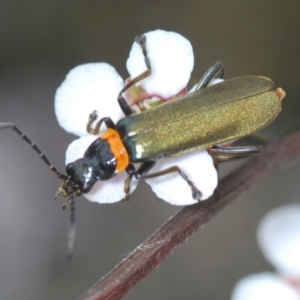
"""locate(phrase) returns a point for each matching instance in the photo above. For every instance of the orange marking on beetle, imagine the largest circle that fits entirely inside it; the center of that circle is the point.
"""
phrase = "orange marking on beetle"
(117, 148)
(280, 92)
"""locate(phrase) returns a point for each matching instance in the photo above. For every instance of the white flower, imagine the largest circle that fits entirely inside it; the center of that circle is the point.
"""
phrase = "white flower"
(96, 86)
(87, 87)
(263, 286)
(172, 60)
(278, 236)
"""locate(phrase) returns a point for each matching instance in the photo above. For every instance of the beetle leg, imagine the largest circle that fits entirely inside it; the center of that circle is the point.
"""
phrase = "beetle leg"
(144, 168)
(212, 72)
(127, 188)
(195, 192)
(91, 120)
(130, 171)
(92, 117)
(221, 154)
(127, 110)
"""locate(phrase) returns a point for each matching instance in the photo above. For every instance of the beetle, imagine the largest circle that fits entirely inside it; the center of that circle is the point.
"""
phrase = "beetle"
(208, 116)
(203, 119)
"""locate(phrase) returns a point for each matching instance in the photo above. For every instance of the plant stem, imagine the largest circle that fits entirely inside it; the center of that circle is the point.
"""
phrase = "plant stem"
(151, 253)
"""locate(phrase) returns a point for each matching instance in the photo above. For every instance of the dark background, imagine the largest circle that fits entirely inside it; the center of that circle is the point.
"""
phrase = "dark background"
(40, 42)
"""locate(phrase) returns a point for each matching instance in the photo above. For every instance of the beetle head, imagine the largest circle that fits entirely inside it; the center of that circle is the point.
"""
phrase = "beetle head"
(103, 159)
(79, 179)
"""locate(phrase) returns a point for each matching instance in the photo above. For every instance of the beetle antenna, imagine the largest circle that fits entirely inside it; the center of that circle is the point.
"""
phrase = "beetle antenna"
(72, 231)
(33, 146)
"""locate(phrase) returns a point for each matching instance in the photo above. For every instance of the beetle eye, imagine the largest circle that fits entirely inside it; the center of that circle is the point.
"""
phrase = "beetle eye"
(70, 168)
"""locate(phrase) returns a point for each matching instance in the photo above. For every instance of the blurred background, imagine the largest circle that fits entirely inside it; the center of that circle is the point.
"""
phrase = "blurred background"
(40, 42)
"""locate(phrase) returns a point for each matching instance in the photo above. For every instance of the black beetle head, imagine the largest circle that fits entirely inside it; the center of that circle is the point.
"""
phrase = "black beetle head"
(79, 179)
(81, 174)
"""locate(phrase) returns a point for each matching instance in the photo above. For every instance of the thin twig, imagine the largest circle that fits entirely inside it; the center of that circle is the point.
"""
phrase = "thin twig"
(162, 242)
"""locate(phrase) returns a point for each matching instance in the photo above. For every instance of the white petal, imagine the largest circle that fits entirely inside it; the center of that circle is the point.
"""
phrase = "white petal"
(88, 87)
(263, 286)
(212, 82)
(107, 191)
(215, 81)
(197, 165)
(77, 148)
(279, 238)
(110, 191)
(172, 60)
